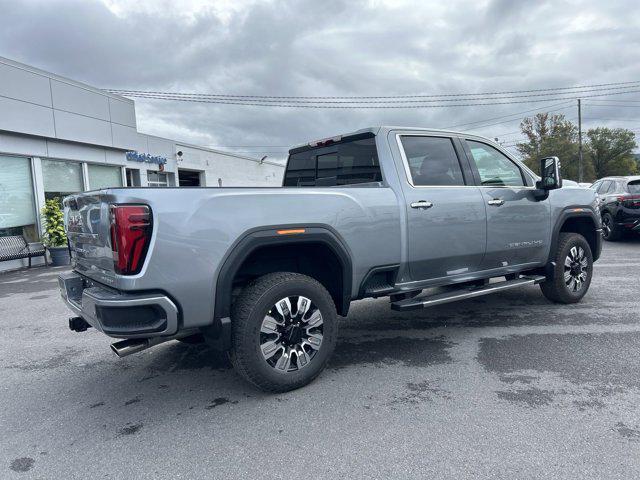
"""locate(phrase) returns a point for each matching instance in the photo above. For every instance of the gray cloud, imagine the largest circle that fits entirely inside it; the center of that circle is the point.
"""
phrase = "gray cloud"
(331, 47)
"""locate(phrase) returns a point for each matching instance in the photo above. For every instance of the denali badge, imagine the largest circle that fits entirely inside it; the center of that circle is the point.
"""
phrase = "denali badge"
(531, 243)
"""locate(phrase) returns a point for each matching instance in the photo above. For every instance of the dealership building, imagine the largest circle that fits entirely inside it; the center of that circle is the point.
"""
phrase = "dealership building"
(59, 136)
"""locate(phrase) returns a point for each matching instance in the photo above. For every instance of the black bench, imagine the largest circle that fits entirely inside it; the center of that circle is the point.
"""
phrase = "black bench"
(16, 247)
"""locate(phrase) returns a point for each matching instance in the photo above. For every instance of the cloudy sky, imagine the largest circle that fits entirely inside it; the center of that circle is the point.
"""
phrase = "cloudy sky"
(324, 48)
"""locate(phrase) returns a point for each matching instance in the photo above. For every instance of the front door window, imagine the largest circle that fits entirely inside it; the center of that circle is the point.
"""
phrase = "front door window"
(495, 169)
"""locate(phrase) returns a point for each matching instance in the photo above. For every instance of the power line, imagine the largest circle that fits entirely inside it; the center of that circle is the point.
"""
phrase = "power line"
(510, 115)
(616, 101)
(610, 105)
(528, 100)
(228, 96)
(431, 99)
(423, 103)
(566, 104)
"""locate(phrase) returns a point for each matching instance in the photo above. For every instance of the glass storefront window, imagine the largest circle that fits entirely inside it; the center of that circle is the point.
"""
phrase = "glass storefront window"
(17, 203)
(61, 178)
(102, 176)
(157, 179)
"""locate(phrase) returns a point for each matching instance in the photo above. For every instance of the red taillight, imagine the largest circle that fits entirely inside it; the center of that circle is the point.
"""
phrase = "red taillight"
(629, 200)
(130, 236)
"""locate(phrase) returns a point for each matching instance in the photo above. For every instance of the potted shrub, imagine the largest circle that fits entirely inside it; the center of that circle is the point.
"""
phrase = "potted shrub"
(55, 238)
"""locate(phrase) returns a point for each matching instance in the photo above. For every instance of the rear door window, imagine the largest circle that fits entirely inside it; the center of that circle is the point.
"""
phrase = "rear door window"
(351, 161)
(432, 161)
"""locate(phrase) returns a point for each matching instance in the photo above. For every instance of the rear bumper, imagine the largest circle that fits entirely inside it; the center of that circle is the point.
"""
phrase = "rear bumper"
(117, 314)
(628, 218)
(632, 224)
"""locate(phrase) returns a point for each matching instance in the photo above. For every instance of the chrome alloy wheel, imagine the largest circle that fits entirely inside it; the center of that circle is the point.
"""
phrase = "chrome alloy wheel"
(576, 268)
(289, 340)
(606, 226)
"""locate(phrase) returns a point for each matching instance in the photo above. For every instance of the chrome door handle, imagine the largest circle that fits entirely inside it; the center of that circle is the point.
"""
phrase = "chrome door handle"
(422, 204)
(496, 202)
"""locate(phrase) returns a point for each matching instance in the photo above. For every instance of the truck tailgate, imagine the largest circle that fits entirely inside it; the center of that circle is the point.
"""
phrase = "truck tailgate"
(87, 223)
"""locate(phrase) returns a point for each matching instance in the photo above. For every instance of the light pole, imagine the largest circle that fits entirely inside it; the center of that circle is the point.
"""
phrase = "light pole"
(579, 141)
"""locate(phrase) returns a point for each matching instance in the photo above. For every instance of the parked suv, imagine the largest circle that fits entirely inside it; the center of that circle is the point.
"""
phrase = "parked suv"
(264, 272)
(619, 205)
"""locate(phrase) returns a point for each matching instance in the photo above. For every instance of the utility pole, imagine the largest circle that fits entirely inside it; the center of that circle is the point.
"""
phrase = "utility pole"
(579, 141)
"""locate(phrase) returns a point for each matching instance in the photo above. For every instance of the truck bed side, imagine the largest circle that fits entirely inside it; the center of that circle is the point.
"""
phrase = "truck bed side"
(195, 229)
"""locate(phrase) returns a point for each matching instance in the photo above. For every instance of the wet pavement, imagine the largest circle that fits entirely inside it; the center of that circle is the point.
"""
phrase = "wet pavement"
(504, 386)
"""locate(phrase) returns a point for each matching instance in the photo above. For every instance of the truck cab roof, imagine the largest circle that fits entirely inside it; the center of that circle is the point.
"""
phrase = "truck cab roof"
(384, 129)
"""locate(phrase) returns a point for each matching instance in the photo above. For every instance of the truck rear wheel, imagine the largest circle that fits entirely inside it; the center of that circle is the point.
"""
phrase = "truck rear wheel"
(572, 272)
(284, 330)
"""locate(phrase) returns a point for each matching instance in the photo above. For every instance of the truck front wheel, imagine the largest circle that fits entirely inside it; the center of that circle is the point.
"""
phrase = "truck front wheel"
(572, 271)
(284, 330)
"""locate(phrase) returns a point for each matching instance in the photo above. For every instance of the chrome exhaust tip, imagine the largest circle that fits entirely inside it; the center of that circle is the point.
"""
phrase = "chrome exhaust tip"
(129, 346)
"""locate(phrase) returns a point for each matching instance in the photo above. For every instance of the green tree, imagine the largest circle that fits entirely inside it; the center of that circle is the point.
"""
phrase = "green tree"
(611, 151)
(552, 135)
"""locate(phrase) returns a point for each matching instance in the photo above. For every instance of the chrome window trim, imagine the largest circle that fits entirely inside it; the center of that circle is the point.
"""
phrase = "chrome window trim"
(407, 170)
(531, 174)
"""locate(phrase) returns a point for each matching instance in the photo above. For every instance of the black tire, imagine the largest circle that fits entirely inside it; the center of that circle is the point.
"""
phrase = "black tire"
(248, 314)
(610, 231)
(557, 288)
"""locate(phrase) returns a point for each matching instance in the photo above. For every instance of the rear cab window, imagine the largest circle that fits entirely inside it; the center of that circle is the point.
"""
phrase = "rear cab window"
(349, 161)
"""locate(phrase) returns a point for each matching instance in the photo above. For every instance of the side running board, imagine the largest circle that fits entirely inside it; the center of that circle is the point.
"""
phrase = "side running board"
(418, 303)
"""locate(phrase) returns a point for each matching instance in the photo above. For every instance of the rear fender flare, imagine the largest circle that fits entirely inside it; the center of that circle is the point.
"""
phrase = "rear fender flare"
(259, 237)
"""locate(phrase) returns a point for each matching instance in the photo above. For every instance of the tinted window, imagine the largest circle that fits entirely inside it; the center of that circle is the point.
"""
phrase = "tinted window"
(349, 162)
(604, 187)
(615, 187)
(495, 169)
(432, 161)
(634, 187)
(327, 165)
(301, 170)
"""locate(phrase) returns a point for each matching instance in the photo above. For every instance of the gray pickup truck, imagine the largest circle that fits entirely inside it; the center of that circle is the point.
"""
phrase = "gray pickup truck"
(264, 272)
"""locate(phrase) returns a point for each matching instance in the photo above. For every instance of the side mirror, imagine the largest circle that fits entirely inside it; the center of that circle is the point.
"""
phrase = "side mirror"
(549, 174)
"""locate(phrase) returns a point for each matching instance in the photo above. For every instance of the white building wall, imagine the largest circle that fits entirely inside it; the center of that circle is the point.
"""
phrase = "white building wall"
(35, 102)
(234, 171)
(45, 116)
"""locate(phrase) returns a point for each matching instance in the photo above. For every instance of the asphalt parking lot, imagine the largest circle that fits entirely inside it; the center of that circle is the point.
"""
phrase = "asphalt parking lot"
(505, 386)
